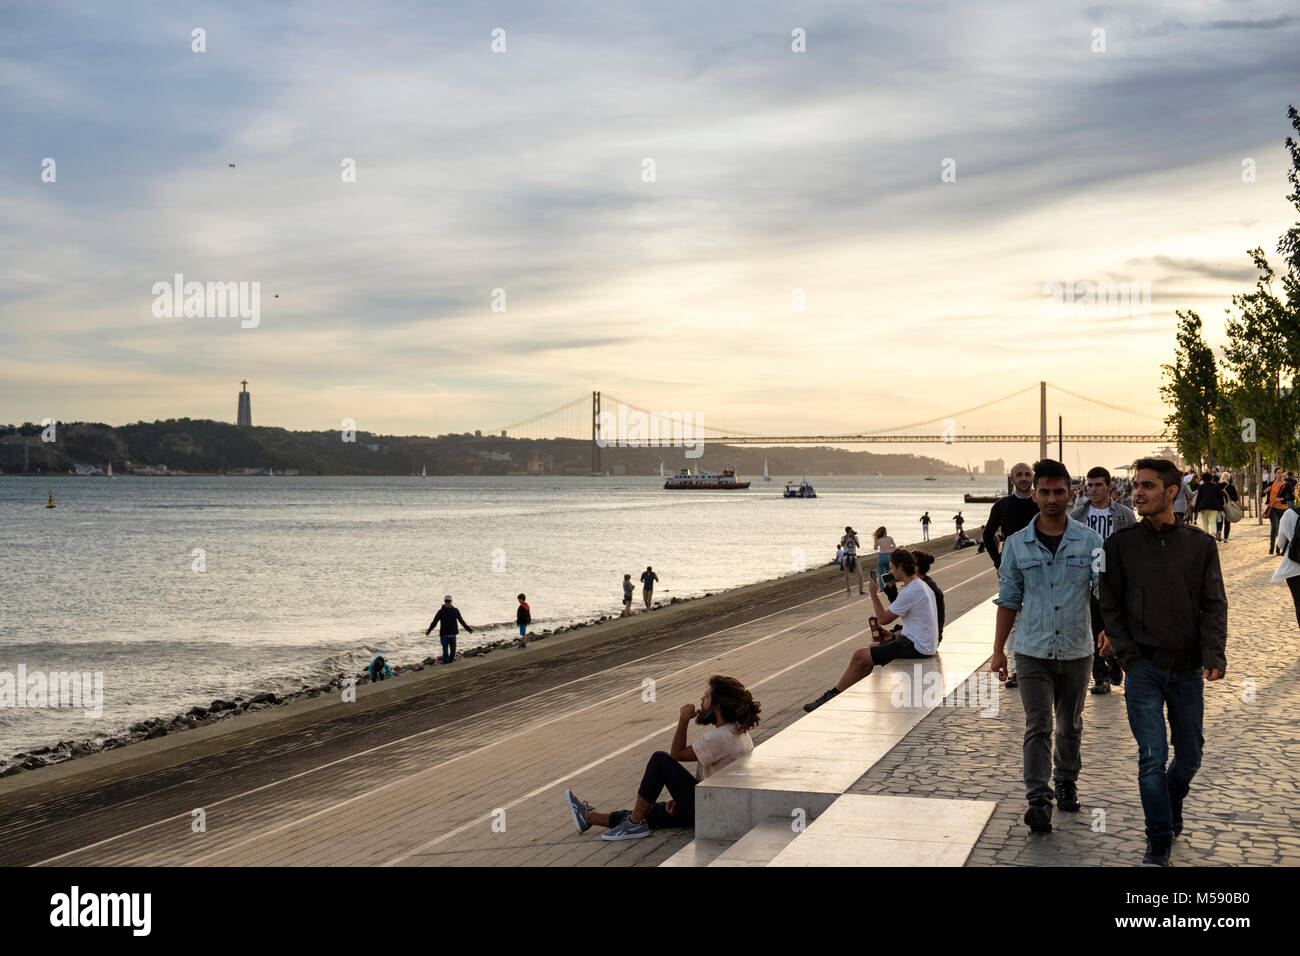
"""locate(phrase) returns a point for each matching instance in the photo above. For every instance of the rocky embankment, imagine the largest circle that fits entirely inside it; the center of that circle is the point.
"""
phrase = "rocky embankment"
(220, 710)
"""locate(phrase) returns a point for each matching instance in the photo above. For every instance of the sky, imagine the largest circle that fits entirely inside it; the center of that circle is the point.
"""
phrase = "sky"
(916, 179)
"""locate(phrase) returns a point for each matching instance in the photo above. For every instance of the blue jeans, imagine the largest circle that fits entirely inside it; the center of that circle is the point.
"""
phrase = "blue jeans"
(448, 647)
(1148, 691)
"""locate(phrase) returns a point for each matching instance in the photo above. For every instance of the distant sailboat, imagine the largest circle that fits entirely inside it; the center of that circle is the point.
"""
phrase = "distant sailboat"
(423, 472)
(110, 470)
(766, 476)
(661, 468)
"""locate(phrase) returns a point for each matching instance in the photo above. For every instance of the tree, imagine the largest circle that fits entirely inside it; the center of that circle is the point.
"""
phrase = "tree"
(1192, 388)
(1259, 357)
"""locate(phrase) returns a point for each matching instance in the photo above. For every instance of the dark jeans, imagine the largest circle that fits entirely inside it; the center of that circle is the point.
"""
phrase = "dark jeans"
(1104, 669)
(662, 771)
(1225, 525)
(1148, 691)
(1294, 584)
(898, 647)
(1048, 686)
(1274, 517)
(448, 647)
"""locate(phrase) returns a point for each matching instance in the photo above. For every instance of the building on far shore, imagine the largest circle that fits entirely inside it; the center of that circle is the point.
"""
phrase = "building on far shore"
(995, 466)
(244, 417)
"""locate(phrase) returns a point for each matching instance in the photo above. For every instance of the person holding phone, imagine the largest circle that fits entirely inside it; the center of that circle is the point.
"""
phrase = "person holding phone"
(915, 606)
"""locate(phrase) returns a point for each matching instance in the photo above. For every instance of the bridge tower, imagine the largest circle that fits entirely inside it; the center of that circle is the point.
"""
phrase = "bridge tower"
(1042, 420)
(595, 433)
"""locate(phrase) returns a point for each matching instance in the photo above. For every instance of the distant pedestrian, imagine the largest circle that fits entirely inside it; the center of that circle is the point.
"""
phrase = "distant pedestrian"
(523, 617)
(884, 548)
(628, 590)
(1288, 544)
(648, 579)
(959, 521)
(1230, 494)
(1044, 579)
(1007, 516)
(1103, 516)
(1168, 653)
(925, 526)
(849, 563)
(1208, 505)
(1275, 499)
(446, 619)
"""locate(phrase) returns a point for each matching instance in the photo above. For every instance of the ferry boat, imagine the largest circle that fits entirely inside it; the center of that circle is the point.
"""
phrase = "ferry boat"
(727, 481)
(801, 490)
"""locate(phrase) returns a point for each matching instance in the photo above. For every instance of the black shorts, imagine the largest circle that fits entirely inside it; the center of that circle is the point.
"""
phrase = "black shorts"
(896, 648)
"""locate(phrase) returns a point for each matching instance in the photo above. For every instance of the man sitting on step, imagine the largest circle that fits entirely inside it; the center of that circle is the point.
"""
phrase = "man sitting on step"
(915, 607)
(727, 706)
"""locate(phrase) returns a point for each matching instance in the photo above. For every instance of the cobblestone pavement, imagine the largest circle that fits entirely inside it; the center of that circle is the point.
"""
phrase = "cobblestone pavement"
(1244, 806)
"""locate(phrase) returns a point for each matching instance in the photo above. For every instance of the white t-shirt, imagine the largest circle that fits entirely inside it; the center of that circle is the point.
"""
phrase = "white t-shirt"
(719, 747)
(1102, 522)
(1286, 530)
(919, 613)
(850, 544)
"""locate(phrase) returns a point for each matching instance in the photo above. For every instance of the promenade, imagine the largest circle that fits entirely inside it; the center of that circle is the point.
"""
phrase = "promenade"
(467, 766)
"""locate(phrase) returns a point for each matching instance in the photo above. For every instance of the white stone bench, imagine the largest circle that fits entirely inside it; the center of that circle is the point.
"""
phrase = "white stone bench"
(809, 765)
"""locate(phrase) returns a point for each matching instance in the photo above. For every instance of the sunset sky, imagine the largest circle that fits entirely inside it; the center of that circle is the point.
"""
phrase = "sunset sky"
(523, 170)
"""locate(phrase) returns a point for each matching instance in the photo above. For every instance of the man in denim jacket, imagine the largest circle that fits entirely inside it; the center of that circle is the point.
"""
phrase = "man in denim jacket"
(1046, 576)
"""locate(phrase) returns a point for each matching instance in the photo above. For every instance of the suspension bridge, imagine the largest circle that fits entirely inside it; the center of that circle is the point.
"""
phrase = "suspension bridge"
(608, 421)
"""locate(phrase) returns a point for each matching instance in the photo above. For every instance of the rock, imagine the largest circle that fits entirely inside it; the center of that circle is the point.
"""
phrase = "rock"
(155, 733)
(430, 660)
(220, 705)
(198, 712)
(31, 763)
(10, 771)
(267, 698)
(417, 667)
(42, 750)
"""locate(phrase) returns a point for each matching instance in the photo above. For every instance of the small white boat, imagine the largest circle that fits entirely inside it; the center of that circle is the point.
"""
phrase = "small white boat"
(766, 476)
(424, 473)
(661, 468)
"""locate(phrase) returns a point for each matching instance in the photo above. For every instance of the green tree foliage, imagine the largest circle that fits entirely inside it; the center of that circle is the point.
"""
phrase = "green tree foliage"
(1192, 388)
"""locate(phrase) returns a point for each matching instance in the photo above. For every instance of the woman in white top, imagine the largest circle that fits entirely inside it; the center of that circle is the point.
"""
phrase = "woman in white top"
(1288, 571)
(730, 709)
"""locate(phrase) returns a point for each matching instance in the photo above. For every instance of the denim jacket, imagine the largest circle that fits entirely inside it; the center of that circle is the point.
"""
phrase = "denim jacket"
(1050, 591)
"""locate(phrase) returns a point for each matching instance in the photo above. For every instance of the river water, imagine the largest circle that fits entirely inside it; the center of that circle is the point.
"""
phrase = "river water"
(182, 590)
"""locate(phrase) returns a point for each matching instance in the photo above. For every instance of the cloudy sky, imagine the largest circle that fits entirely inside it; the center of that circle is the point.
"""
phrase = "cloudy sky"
(526, 170)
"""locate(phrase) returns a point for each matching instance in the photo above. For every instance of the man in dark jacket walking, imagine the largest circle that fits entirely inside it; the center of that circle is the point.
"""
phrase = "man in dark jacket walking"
(1166, 617)
(446, 619)
(1008, 515)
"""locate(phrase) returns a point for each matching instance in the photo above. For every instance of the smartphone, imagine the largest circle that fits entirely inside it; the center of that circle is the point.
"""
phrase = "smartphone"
(872, 572)
(887, 578)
